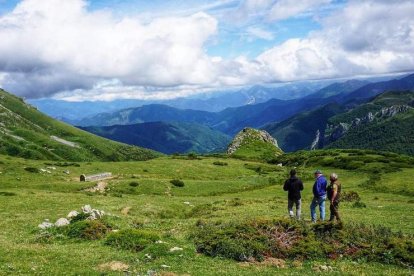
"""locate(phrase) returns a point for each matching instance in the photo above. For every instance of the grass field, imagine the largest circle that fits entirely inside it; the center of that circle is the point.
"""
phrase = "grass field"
(236, 190)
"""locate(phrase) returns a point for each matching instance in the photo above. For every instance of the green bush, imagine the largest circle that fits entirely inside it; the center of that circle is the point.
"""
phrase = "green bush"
(177, 183)
(220, 163)
(350, 196)
(131, 239)
(259, 239)
(359, 204)
(32, 170)
(88, 229)
(134, 184)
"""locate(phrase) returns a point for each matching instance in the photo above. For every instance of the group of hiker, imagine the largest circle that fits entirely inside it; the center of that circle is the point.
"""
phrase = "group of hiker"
(321, 190)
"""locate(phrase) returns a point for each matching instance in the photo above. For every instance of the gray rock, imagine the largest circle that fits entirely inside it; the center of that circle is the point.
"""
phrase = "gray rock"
(87, 209)
(62, 222)
(45, 225)
(72, 214)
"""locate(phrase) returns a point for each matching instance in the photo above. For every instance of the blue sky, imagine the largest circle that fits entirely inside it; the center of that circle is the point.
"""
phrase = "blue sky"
(79, 49)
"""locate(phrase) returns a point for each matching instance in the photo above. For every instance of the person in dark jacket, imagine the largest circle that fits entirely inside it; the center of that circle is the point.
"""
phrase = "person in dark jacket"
(294, 185)
(334, 195)
(319, 196)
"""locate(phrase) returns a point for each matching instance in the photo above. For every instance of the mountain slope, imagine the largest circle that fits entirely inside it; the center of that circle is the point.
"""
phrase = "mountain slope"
(385, 123)
(166, 137)
(148, 113)
(28, 133)
(338, 88)
(373, 89)
(300, 131)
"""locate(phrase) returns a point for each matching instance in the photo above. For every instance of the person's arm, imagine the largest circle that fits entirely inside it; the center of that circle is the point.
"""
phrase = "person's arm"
(285, 187)
(301, 185)
(334, 193)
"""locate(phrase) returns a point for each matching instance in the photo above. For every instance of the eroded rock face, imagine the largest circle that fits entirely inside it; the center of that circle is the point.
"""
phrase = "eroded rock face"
(337, 131)
(250, 134)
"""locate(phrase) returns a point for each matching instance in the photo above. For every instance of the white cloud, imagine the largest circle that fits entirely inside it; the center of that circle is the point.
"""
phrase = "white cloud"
(51, 39)
(284, 9)
(258, 32)
(367, 37)
(53, 46)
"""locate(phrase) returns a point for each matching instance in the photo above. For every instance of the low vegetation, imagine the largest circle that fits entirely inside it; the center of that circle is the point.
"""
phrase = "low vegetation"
(229, 219)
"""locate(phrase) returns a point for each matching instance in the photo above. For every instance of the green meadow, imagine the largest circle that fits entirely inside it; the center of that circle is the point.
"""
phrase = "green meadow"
(216, 190)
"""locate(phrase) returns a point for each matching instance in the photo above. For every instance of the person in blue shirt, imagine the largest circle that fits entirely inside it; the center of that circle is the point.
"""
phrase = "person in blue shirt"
(319, 196)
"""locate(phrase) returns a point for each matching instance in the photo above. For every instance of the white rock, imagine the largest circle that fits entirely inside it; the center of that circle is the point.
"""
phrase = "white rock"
(159, 241)
(46, 224)
(62, 222)
(165, 266)
(176, 249)
(186, 202)
(96, 214)
(87, 209)
(72, 214)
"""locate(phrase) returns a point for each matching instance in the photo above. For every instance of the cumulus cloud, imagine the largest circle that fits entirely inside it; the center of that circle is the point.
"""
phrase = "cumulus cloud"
(53, 47)
(50, 42)
(367, 37)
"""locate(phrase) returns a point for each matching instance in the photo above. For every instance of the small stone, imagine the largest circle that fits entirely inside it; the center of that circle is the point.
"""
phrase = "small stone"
(159, 241)
(186, 202)
(46, 224)
(87, 209)
(176, 249)
(66, 172)
(165, 266)
(72, 214)
(62, 222)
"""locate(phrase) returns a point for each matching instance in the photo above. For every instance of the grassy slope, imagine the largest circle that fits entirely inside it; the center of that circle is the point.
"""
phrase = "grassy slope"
(237, 191)
(34, 129)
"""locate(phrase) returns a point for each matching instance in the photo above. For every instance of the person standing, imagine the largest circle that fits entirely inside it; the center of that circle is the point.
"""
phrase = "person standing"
(334, 195)
(319, 196)
(294, 185)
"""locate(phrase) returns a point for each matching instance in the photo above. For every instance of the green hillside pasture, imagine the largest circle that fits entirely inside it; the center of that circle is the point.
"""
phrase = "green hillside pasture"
(233, 193)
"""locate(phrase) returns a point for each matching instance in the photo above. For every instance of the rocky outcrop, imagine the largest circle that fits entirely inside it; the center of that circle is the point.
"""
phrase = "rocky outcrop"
(335, 132)
(249, 134)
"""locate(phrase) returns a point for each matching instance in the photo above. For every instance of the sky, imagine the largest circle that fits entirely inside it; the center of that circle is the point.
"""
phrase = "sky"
(109, 49)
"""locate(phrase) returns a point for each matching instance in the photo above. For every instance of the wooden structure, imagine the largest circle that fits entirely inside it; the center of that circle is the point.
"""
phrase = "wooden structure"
(95, 177)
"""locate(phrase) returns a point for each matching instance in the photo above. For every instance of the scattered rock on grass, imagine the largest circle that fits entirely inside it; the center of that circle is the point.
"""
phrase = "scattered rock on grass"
(72, 214)
(62, 222)
(46, 224)
(176, 249)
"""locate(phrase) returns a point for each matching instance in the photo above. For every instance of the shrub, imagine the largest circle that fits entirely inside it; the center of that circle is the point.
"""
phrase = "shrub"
(7, 194)
(131, 239)
(177, 183)
(32, 170)
(220, 163)
(350, 196)
(192, 156)
(88, 229)
(359, 204)
(134, 184)
(260, 239)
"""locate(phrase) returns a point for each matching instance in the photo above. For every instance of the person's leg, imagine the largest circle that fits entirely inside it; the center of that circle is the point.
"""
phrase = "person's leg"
(322, 207)
(312, 209)
(290, 208)
(336, 210)
(332, 212)
(298, 208)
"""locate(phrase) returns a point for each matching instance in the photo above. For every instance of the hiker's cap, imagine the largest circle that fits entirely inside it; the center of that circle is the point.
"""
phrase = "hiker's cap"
(318, 172)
